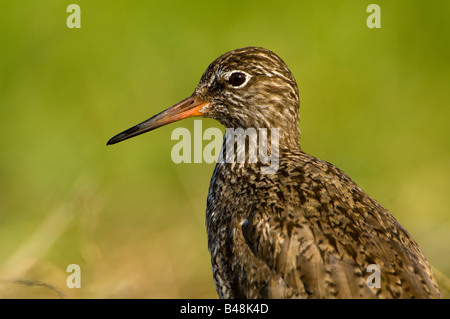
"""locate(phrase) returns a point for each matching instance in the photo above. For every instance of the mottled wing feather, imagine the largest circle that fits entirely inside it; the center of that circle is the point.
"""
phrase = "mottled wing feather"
(318, 240)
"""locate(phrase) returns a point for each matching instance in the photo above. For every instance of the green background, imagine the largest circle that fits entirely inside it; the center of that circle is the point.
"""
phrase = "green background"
(374, 102)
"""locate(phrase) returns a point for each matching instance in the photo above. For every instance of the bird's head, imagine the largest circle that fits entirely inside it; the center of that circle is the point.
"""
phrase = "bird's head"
(243, 88)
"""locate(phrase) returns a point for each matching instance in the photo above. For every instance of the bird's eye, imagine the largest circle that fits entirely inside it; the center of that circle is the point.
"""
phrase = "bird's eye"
(237, 79)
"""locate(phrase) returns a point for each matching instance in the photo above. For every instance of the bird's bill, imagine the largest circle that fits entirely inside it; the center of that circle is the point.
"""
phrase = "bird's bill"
(189, 107)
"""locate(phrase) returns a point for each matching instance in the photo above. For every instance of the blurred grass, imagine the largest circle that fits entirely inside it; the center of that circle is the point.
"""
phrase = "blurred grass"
(374, 102)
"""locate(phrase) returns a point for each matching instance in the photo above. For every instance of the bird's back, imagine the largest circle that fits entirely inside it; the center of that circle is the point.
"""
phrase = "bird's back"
(307, 231)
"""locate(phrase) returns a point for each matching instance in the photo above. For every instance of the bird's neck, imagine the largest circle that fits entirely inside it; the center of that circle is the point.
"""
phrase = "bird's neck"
(261, 147)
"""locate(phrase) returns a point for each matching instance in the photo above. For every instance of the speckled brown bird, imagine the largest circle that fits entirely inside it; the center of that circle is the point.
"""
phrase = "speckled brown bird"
(304, 231)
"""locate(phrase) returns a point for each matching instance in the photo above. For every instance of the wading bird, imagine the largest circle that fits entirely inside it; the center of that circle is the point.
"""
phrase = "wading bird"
(304, 231)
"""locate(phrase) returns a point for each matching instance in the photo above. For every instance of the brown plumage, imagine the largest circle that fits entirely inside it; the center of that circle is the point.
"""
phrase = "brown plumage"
(304, 231)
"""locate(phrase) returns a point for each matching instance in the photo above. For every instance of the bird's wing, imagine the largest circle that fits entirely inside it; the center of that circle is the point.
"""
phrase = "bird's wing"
(302, 257)
(318, 238)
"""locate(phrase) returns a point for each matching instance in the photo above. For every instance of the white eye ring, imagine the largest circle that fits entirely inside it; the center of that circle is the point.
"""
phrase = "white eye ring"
(228, 77)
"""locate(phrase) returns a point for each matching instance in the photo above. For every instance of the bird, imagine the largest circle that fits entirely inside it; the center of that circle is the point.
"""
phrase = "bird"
(304, 230)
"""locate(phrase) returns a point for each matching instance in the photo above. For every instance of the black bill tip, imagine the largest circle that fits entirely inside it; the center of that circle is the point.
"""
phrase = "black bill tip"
(131, 132)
